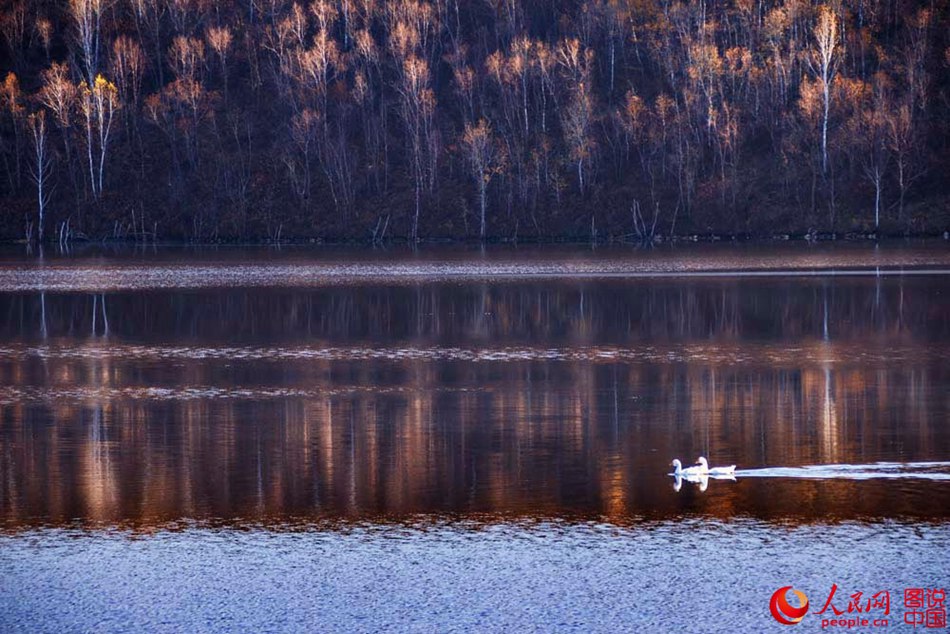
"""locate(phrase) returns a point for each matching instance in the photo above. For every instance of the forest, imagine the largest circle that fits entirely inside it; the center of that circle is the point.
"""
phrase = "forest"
(371, 120)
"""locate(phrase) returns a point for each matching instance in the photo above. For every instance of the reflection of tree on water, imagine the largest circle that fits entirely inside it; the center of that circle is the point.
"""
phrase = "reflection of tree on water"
(101, 485)
(553, 419)
(513, 437)
(555, 313)
(96, 301)
(43, 330)
(829, 422)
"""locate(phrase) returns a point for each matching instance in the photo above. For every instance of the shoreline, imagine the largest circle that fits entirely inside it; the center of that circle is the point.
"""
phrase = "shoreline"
(696, 238)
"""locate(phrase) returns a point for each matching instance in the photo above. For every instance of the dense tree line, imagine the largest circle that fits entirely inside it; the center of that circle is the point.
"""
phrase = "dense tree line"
(202, 119)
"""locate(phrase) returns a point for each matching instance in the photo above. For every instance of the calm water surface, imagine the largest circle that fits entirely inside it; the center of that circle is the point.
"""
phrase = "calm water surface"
(200, 440)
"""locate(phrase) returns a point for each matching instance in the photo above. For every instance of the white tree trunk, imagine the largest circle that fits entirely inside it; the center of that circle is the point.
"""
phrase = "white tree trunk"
(481, 200)
(92, 174)
(824, 129)
(877, 198)
(42, 206)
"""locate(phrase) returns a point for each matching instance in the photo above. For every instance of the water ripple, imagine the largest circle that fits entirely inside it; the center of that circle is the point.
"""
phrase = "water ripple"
(819, 352)
(113, 277)
(13, 395)
(937, 471)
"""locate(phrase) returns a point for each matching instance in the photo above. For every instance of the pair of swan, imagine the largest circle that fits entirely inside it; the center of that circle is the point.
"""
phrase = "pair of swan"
(700, 473)
(701, 468)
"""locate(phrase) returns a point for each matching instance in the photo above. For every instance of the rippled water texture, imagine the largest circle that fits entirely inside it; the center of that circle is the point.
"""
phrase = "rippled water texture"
(356, 440)
(296, 267)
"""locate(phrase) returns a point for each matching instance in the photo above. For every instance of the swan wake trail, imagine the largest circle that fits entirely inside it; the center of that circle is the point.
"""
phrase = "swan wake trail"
(937, 471)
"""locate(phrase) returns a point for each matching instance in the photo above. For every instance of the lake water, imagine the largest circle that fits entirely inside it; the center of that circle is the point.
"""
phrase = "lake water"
(337, 439)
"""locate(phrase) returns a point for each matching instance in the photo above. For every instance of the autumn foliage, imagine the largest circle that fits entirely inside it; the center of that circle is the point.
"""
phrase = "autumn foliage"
(206, 120)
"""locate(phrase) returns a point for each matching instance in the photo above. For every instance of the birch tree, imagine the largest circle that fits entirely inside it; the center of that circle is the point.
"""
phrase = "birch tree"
(479, 152)
(11, 98)
(59, 95)
(902, 140)
(42, 167)
(823, 62)
(87, 19)
(219, 39)
(106, 100)
(871, 132)
(98, 104)
(128, 68)
(576, 121)
(417, 107)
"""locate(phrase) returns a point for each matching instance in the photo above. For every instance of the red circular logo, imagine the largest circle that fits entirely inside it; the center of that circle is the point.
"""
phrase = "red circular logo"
(785, 613)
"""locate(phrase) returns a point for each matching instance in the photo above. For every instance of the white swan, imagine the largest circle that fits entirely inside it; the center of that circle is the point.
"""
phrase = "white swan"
(678, 469)
(715, 471)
